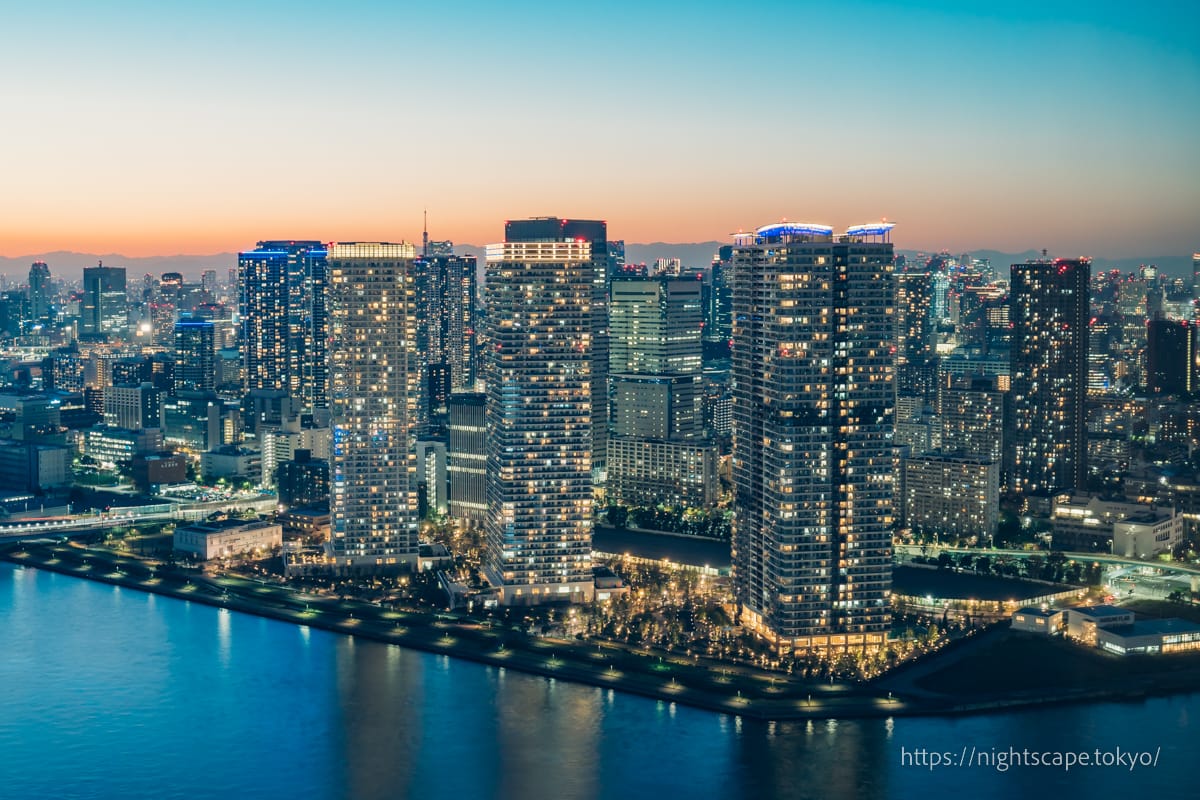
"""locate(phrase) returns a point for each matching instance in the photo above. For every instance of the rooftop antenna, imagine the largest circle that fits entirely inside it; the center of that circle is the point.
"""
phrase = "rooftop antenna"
(425, 235)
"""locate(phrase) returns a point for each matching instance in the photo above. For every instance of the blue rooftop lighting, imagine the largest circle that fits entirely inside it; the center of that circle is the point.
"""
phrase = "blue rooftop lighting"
(794, 229)
(871, 229)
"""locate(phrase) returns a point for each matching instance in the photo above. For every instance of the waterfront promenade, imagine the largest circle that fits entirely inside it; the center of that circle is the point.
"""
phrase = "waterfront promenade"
(670, 677)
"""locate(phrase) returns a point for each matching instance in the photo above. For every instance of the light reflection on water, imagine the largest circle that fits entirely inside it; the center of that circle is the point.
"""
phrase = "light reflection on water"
(106, 694)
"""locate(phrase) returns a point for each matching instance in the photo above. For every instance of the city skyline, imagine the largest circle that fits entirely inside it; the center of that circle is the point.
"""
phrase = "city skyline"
(967, 127)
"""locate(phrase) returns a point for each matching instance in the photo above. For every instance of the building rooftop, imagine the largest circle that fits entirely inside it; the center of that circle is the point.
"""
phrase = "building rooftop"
(1038, 611)
(318, 510)
(1155, 627)
(220, 525)
(1100, 612)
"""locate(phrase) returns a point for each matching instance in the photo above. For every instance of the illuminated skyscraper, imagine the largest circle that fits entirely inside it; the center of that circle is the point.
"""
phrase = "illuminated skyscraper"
(595, 233)
(282, 289)
(1049, 310)
(104, 312)
(39, 290)
(1171, 357)
(1196, 284)
(655, 452)
(717, 325)
(916, 364)
(375, 401)
(195, 356)
(812, 434)
(446, 299)
(539, 418)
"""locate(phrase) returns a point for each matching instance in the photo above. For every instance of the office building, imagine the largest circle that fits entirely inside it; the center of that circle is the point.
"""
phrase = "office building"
(113, 447)
(133, 406)
(1172, 354)
(1049, 311)
(282, 297)
(195, 356)
(33, 467)
(813, 390)
(446, 302)
(657, 449)
(540, 414)
(195, 421)
(40, 291)
(717, 325)
(104, 310)
(467, 457)
(375, 402)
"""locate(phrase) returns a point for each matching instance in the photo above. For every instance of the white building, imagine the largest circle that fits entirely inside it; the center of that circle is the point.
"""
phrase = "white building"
(1033, 619)
(1150, 637)
(1084, 622)
(1148, 533)
(1083, 522)
(224, 538)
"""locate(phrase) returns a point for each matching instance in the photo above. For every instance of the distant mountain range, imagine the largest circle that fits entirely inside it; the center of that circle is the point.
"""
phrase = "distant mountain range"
(694, 255)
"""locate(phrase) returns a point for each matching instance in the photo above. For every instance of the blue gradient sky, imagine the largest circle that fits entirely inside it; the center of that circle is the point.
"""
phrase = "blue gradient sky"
(146, 128)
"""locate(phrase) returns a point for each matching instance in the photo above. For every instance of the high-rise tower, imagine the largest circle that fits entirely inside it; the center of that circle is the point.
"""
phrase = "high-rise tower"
(539, 416)
(595, 233)
(812, 434)
(195, 356)
(282, 287)
(916, 364)
(375, 400)
(1049, 311)
(446, 299)
(655, 452)
(39, 290)
(104, 311)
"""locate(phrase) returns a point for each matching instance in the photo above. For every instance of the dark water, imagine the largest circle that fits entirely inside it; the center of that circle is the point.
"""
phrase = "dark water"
(108, 692)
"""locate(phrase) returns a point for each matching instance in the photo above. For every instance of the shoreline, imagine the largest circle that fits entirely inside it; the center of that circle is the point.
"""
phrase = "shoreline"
(437, 633)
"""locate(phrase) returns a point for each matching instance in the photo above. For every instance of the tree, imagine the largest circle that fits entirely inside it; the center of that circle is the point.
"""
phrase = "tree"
(618, 516)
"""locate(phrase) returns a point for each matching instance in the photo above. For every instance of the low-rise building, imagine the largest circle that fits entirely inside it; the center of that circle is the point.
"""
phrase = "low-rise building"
(434, 556)
(302, 480)
(1083, 522)
(32, 467)
(111, 447)
(951, 493)
(1143, 535)
(1034, 619)
(231, 461)
(1085, 621)
(310, 522)
(159, 469)
(1150, 637)
(646, 472)
(223, 538)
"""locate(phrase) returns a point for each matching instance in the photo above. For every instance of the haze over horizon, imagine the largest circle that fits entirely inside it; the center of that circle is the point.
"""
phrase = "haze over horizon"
(145, 129)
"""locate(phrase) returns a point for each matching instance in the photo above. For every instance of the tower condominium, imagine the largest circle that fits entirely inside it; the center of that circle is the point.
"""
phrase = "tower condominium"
(539, 419)
(812, 434)
(375, 388)
(1049, 310)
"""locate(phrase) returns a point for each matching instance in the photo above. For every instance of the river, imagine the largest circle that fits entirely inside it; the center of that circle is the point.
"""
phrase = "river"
(106, 692)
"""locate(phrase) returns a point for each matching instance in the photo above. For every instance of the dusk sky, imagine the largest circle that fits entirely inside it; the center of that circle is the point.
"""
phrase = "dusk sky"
(148, 128)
